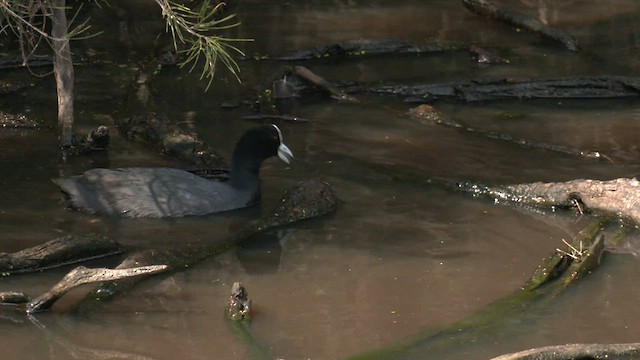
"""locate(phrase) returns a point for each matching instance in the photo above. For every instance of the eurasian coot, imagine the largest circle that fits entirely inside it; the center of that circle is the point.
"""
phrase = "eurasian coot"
(166, 192)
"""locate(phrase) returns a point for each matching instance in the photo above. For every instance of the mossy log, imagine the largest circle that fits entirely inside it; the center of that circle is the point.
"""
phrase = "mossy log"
(57, 252)
(491, 11)
(535, 294)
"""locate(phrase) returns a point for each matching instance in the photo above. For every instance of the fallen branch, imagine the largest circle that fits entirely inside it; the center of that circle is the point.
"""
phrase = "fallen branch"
(577, 351)
(491, 11)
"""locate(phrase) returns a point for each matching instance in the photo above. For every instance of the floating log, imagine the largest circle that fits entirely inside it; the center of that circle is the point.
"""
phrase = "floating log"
(491, 11)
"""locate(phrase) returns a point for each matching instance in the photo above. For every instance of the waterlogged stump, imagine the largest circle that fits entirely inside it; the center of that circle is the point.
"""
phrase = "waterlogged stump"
(618, 198)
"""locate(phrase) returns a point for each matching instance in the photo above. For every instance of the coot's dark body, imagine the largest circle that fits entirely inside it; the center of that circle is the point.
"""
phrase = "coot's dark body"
(166, 192)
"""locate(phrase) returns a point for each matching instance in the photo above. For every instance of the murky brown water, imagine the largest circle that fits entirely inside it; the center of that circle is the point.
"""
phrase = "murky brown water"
(398, 258)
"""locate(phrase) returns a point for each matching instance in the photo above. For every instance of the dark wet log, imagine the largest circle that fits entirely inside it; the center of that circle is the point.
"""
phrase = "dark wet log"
(491, 11)
(429, 115)
(616, 199)
(366, 47)
(65, 250)
(599, 87)
(577, 351)
(309, 199)
(238, 305)
(81, 276)
(509, 310)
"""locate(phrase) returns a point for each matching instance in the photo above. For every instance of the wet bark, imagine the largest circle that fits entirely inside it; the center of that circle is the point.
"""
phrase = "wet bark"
(58, 252)
(489, 10)
(511, 309)
(63, 71)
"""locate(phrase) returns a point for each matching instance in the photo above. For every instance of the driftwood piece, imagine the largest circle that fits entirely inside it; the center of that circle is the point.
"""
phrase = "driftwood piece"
(598, 87)
(57, 252)
(618, 198)
(577, 351)
(511, 309)
(238, 305)
(429, 115)
(308, 199)
(489, 10)
(13, 298)
(367, 47)
(82, 275)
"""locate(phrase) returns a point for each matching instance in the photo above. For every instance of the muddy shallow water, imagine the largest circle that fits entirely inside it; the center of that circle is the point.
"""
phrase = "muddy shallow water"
(398, 257)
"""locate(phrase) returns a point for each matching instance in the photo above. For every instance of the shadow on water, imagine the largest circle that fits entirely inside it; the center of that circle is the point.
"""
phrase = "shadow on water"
(398, 257)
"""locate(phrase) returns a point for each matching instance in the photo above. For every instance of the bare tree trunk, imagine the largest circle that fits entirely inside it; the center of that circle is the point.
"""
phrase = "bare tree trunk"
(63, 71)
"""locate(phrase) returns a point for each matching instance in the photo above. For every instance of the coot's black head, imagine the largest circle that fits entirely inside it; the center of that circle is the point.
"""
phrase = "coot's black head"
(259, 144)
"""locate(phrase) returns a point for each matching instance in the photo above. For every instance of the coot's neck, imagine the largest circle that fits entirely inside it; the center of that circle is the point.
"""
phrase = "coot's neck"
(245, 171)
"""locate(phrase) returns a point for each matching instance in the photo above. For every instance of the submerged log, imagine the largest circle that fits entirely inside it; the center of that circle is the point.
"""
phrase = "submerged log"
(577, 351)
(599, 87)
(617, 199)
(81, 276)
(65, 250)
(508, 310)
(489, 10)
(367, 47)
(308, 199)
(429, 115)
